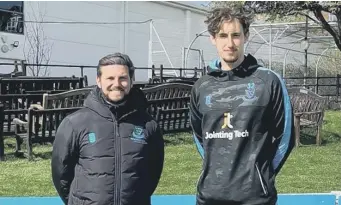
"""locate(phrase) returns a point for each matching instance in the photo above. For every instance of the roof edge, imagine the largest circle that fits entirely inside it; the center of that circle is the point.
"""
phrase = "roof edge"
(183, 6)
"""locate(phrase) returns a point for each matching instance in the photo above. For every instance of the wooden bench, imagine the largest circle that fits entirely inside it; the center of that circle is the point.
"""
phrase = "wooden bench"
(166, 79)
(16, 106)
(167, 96)
(40, 127)
(173, 120)
(72, 98)
(308, 108)
(19, 101)
(19, 85)
(185, 81)
(43, 91)
(7, 127)
(2, 145)
(9, 116)
(167, 104)
(168, 91)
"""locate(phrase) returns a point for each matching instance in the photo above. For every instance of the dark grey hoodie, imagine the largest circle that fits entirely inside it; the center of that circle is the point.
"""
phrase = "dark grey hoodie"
(243, 127)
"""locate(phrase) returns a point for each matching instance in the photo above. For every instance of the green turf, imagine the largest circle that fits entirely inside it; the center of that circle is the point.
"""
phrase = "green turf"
(309, 168)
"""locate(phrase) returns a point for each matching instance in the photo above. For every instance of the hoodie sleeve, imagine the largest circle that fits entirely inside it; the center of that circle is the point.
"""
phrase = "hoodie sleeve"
(195, 121)
(156, 158)
(283, 127)
(64, 159)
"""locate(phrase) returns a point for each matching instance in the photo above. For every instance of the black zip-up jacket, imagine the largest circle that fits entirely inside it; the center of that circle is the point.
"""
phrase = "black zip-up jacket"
(107, 155)
(243, 128)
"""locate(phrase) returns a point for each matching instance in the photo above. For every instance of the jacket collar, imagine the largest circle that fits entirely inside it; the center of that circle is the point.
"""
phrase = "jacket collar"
(249, 65)
(99, 104)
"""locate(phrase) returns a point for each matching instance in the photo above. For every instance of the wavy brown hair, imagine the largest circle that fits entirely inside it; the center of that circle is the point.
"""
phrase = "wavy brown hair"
(217, 16)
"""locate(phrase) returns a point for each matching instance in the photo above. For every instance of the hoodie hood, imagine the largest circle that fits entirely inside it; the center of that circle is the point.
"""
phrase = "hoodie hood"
(247, 67)
(134, 101)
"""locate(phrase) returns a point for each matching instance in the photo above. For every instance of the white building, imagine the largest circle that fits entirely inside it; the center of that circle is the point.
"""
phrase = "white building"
(72, 34)
(170, 25)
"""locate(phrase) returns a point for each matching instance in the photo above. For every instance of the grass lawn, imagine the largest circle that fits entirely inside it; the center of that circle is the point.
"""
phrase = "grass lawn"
(308, 169)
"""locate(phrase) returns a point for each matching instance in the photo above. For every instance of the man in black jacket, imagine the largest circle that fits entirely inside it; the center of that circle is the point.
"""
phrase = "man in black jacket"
(111, 151)
(242, 120)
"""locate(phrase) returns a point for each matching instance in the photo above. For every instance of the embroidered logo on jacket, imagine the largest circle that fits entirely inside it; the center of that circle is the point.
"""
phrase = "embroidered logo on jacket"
(250, 90)
(92, 137)
(138, 135)
(208, 100)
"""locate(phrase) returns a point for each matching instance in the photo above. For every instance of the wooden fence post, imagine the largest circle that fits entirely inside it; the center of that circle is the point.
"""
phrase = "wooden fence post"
(161, 73)
(23, 68)
(153, 71)
(337, 87)
(2, 144)
(317, 85)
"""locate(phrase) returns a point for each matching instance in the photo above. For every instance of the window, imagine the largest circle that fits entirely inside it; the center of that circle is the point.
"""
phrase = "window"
(12, 16)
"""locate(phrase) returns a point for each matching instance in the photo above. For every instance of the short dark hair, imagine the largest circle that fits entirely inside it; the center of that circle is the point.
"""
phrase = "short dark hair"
(217, 16)
(116, 59)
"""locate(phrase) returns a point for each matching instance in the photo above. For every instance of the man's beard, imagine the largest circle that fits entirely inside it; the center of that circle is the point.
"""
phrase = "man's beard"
(115, 102)
(230, 61)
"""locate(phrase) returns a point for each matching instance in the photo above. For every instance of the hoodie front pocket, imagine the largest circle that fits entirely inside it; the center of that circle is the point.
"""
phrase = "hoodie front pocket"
(262, 182)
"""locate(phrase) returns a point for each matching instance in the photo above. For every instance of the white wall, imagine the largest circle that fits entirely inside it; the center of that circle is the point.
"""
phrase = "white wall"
(85, 44)
(78, 44)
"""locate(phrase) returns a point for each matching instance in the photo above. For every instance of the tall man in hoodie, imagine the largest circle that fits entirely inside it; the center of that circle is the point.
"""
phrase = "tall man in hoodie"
(111, 151)
(242, 119)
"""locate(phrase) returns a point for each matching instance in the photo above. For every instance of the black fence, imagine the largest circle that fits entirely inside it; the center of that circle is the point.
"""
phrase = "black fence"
(325, 86)
(155, 70)
(24, 66)
(328, 86)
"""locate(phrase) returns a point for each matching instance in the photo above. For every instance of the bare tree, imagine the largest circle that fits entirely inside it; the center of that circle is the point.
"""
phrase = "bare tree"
(37, 49)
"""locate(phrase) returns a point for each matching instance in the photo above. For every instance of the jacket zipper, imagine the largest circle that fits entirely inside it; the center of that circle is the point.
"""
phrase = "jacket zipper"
(117, 144)
(118, 165)
(118, 178)
(261, 180)
(126, 115)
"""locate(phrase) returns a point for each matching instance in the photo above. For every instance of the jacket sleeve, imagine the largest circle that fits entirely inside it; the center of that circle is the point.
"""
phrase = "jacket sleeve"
(64, 159)
(283, 127)
(156, 158)
(195, 121)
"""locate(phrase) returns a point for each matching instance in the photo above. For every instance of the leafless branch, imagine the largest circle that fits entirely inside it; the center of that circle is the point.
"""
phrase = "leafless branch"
(38, 50)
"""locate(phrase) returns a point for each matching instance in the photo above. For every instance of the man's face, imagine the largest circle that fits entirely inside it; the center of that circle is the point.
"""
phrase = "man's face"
(114, 81)
(230, 41)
